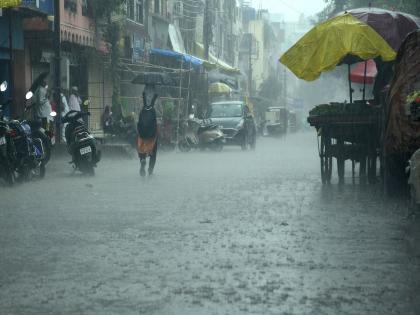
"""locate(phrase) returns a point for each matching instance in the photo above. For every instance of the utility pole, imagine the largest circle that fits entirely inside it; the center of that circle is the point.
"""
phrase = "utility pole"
(57, 67)
(250, 64)
(285, 87)
(146, 17)
(206, 30)
(11, 73)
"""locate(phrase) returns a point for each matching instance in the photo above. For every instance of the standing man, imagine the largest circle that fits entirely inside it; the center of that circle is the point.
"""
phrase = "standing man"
(74, 100)
(147, 131)
(64, 110)
(42, 104)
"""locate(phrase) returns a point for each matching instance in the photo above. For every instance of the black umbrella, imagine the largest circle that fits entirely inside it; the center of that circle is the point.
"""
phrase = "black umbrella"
(153, 78)
(39, 79)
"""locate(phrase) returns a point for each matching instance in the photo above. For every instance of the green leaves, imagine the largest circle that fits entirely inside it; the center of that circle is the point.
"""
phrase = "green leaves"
(105, 8)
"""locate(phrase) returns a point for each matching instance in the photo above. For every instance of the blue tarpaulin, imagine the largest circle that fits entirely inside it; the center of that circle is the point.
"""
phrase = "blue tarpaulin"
(178, 56)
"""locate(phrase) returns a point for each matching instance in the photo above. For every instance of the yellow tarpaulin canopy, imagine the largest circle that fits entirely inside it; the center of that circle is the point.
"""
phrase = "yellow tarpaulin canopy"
(219, 88)
(10, 3)
(326, 45)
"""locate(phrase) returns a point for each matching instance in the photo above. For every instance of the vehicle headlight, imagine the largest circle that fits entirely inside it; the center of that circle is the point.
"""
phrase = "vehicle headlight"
(240, 124)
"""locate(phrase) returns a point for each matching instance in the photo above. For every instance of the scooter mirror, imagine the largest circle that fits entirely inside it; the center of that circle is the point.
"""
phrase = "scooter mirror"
(53, 113)
(3, 86)
(29, 95)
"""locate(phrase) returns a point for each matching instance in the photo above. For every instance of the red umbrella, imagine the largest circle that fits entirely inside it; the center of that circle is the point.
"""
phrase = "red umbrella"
(357, 74)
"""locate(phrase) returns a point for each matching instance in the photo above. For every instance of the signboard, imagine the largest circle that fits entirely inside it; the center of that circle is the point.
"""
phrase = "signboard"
(10, 3)
(46, 6)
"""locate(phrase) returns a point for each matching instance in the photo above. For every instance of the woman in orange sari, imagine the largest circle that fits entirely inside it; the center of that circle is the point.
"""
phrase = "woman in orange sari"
(147, 131)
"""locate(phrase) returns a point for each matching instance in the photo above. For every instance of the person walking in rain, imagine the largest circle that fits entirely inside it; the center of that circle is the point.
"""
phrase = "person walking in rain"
(147, 131)
(42, 104)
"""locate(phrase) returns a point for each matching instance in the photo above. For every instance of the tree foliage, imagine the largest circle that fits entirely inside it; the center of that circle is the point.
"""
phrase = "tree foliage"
(105, 8)
(271, 88)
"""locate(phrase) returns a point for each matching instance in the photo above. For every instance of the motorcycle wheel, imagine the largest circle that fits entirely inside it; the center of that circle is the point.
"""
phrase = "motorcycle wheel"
(184, 147)
(42, 170)
(9, 176)
(46, 142)
(27, 173)
(91, 171)
(216, 146)
(87, 168)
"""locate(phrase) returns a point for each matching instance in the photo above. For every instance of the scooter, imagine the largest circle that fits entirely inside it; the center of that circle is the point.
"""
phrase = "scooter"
(201, 134)
(7, 148)
(81, 145)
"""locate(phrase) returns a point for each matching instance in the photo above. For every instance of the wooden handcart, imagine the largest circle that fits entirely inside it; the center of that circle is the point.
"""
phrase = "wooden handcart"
(348, 137)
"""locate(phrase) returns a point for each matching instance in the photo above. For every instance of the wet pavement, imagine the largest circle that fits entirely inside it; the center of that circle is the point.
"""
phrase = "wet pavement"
(211, 233)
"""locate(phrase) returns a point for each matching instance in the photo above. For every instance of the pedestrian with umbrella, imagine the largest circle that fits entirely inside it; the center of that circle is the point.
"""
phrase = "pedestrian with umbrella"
(147, 131)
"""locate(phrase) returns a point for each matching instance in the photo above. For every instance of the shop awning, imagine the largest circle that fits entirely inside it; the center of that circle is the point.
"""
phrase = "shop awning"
(176, 39)
(187, 59)
(216, 61)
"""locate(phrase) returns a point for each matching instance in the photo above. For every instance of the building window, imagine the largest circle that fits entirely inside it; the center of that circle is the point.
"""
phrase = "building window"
(157, 6)
(70, 5)
(130, 9)
(139, 11)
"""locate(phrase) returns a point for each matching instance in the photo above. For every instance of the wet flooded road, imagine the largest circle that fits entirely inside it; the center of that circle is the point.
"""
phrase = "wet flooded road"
(229, 233)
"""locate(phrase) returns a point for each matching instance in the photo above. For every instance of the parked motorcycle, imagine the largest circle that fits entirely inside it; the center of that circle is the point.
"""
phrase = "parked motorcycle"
(81, 145)
(32, 149)
(7, 148)
(201, 134)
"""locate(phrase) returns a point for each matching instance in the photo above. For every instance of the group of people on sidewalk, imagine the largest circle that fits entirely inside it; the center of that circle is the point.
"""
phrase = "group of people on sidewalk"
(42, 106)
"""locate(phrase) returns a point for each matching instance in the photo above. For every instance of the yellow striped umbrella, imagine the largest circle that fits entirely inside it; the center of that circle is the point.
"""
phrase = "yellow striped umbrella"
(219, 88)
(10, 3)
(333, 41)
